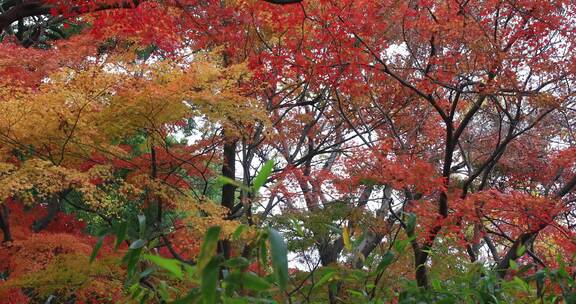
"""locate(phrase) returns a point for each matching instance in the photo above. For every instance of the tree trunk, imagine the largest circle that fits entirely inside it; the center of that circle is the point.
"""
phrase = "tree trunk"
(329, 253)
(53, 208)
(228, 190)
(5, 224)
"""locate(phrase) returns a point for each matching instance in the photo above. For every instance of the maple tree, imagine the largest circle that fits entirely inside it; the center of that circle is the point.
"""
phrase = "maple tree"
(165, 148)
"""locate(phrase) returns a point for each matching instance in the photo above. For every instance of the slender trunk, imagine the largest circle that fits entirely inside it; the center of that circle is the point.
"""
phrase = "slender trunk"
(5, 224)
(368, 245)
(421, 269)
(329, 252)
(154, 174)
(421, 253)
(228, 190)
(53, 208)
(512, 253)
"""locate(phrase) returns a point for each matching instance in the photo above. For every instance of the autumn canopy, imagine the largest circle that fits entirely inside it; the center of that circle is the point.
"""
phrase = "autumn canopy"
(286, 151)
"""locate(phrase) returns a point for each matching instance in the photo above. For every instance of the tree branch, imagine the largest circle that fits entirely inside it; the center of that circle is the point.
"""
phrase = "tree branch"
(32, 8)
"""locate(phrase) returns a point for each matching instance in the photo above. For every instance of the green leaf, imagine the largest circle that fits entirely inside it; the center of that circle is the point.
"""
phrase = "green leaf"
(146, 272)
(135, 290)
(262, 176)
(253, 282)
(298, 227)
(263, 251)
(171, 265)
(540, 277)
(120, 234)
(131, 259)
(410, 222)
(520, 250)
(209, 281)
(334, 229)
(223, 180)
(513, 265)
(142, 225)
(521, 284)
(208, 246)
(139, 243)
(356, 293)
(163, 291)
(238, 232)
(325, 278)
(248, 280)
(96, 248)
(387, 259)
(237, 263)
(190, 270)
(400, 245)
(279, 253)
(436, 284)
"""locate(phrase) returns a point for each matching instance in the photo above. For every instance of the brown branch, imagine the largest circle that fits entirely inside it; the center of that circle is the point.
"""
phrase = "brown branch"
(569, 186)
(5, 224)
(38, 8)
(513, 252)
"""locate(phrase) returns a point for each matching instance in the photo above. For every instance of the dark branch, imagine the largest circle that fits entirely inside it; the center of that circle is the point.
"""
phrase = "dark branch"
(38, 8)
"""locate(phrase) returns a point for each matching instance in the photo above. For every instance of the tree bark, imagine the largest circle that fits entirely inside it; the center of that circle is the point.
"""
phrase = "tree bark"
(5, 224)
(512, 253)
(30, 8)
(53, 208)
(228, 190)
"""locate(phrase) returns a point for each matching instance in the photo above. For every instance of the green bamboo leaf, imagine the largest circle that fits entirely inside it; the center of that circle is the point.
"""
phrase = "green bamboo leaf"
(148, 271)
(436, 284)
(238, 232)
(253, 282)
(96, 248)
(410, 222)
(325, 278)
(237, 263)
(400, 245)
(163, 291)
(263, 251)
(223, 180)
(120, 234)
(171, 265)
(387, 259)
(142, 225)
(279, 254)
(131, 259)
(262, 176)
(520, 250)
(209, 281)
(513, 265)
(298, 227)
(208, 246)
(139, 243)
(248, 280)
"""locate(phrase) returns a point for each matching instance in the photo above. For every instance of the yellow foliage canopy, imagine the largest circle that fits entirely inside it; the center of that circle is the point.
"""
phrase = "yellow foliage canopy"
(78, 112)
